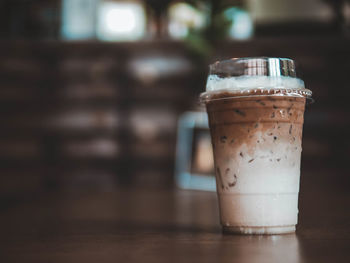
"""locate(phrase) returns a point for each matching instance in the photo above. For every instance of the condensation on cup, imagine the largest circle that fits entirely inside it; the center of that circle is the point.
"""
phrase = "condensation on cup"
(256, 109)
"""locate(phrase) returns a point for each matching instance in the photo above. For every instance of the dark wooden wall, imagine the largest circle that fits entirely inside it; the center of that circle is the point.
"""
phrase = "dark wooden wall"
(92, 114)
(97, 115)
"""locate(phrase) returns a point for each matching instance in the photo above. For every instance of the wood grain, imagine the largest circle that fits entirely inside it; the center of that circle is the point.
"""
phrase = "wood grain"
(135, 225)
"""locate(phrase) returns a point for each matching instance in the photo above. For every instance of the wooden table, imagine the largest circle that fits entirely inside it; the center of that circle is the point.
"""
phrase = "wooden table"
(133, 225)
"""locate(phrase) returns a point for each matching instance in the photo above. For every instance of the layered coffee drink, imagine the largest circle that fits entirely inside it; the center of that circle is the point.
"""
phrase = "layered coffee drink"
(256, 121)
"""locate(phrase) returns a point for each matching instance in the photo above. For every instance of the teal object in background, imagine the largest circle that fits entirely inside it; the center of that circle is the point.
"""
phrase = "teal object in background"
(193, 131)
(241, 23)
(79, 19)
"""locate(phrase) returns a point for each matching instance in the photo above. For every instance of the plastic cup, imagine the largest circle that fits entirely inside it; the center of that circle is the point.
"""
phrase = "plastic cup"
(256, 116)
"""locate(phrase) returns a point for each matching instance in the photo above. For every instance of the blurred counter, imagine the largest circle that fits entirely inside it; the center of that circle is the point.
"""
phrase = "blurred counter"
(135, 225)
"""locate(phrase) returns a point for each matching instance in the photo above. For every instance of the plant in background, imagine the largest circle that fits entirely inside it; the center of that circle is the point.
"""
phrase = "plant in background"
(225, 19)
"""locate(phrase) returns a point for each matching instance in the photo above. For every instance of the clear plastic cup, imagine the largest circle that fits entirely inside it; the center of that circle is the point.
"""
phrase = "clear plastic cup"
(256, 109)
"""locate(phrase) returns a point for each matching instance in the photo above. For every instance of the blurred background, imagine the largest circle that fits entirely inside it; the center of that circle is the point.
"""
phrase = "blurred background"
(99, 94)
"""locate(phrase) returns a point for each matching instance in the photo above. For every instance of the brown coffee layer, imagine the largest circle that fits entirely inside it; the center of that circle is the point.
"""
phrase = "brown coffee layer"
(242, 117)
(262, 124)
(255, 135)
(256, 109)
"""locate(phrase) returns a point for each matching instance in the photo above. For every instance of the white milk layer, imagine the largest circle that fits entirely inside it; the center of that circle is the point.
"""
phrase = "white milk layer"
(259, 210)
(266, 185)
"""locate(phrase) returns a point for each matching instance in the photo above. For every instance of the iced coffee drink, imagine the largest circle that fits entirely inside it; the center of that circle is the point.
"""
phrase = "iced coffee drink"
(256, 112)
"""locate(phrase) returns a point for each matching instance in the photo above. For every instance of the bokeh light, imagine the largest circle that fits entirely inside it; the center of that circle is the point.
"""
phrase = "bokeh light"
(121, 21)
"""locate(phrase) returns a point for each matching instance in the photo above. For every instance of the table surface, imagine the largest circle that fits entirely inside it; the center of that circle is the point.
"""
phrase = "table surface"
(134, 225)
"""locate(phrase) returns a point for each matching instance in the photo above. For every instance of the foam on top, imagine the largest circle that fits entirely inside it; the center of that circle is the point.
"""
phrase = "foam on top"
(245, 83)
